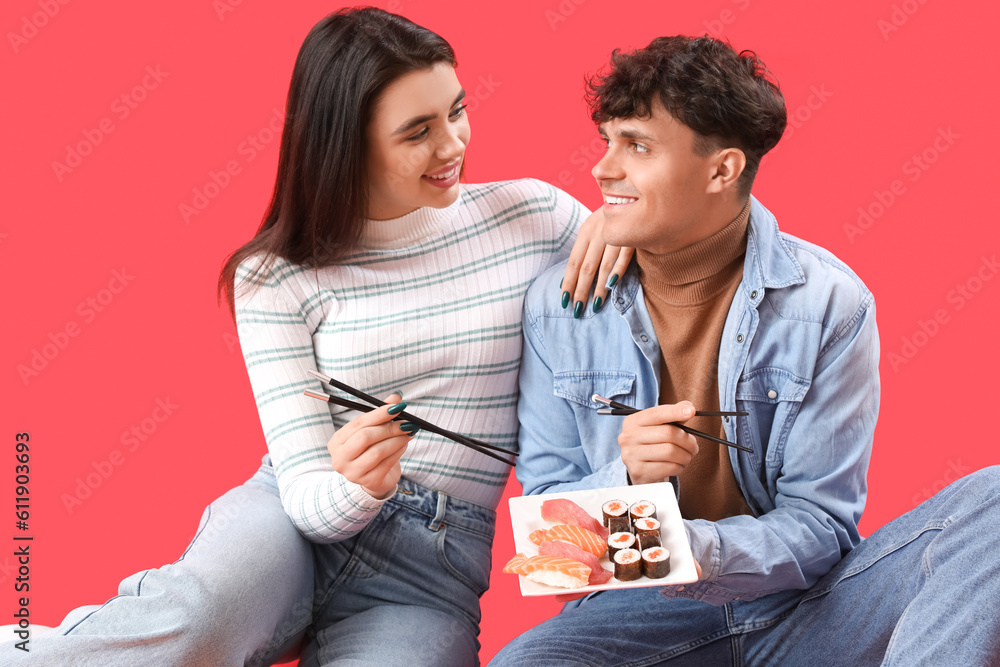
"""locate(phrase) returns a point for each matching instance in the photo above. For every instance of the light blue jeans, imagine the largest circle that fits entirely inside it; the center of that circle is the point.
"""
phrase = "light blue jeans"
(922, 590)
(404, 591)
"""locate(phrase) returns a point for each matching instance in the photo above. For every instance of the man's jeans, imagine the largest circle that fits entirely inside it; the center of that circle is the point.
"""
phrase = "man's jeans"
(923, 590)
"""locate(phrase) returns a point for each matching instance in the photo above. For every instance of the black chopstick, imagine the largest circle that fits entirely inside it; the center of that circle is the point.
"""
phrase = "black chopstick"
(472, 443)
(361, 407)
(597, 398)
(622, 409)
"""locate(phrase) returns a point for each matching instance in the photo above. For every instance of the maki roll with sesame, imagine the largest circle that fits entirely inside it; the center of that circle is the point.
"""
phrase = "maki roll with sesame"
(628, 565)
(655, 562)
(619, 541)
(647, 531)
(642, 509)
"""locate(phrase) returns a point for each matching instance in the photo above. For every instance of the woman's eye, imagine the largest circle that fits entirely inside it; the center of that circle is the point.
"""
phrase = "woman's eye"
(419, 135)
(459, 111)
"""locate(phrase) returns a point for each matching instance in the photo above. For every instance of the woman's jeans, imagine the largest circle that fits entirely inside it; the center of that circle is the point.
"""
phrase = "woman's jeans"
(403, 591)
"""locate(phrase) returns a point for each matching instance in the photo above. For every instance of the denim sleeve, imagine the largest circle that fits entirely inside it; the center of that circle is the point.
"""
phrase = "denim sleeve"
(550, 440)
(819, 492)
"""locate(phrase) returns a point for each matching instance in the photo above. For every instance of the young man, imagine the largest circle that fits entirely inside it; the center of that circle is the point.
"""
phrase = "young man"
(723, 311)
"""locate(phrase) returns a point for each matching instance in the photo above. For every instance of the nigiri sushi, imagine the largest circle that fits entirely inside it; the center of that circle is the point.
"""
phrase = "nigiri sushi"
(598, 575)
(538, 536)
(513, 566)
(581, 537)
(556, 571)
(560, 510)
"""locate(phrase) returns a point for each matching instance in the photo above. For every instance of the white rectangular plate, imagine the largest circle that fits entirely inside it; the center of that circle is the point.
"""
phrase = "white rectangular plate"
(526, 517)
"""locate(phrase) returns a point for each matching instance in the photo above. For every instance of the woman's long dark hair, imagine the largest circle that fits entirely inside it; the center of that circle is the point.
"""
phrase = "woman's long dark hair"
(320, 196)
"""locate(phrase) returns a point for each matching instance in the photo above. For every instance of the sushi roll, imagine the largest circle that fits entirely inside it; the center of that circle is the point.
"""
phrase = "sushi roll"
(619, 541)
(628, 565)
(655, 562)
(614, 509)
(642, 509)
(648, 533)
(619, 524)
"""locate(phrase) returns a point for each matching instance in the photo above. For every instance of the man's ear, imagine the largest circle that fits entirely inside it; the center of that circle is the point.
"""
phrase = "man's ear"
(728, 165)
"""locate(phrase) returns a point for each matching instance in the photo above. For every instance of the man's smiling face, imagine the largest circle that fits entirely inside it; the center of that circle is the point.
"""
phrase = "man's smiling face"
(654, 183)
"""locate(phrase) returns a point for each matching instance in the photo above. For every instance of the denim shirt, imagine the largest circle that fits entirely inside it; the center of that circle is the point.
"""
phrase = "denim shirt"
(799, 352)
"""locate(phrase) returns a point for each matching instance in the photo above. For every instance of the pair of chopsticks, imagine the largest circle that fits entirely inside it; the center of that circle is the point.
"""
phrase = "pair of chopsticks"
(478, 445)
(616, 408)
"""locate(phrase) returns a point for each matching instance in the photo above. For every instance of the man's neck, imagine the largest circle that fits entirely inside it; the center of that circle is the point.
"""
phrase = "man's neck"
(711, 220)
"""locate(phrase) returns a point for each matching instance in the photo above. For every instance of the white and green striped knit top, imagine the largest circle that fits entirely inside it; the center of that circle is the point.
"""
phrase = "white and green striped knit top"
(430, 305)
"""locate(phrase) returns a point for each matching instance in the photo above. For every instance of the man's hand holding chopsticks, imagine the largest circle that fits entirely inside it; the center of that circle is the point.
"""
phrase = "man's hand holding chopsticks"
(653, 449)
(367, 449)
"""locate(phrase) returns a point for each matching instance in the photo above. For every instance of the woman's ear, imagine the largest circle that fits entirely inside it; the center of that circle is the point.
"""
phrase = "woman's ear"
(728, 166)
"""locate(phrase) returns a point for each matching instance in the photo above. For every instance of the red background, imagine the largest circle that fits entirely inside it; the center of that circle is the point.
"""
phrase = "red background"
(868, 84)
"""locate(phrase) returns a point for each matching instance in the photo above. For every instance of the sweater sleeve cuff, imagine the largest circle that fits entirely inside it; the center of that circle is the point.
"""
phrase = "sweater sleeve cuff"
(359, 501)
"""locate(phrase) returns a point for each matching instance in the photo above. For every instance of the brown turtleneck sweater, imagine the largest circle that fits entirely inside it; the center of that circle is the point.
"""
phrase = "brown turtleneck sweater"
(688, 293)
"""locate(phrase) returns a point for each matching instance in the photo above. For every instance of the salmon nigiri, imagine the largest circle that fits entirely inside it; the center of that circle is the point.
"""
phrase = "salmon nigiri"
(598, 575)
(581, 537)
(513, 566)
(560, 510)
(555, 571)
(538, 536)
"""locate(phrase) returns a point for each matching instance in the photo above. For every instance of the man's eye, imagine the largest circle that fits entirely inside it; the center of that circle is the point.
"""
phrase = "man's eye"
(639, 148)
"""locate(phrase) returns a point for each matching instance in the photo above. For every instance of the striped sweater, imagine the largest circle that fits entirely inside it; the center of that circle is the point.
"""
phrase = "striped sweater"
(429, 305)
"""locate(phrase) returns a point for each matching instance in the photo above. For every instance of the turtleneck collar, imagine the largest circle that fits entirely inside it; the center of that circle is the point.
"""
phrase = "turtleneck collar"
(410, 229)
(698, 272)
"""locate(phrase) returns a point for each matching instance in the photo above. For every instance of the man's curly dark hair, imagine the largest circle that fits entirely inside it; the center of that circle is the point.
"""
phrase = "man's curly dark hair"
(729, 99)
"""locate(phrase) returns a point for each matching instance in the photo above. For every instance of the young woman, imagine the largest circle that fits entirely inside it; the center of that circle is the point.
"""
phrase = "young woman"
(375, 265)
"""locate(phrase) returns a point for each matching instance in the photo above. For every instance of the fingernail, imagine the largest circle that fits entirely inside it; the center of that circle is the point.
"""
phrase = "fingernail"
(688, 411)
(598, 302)
(565, 299)
(578, 309)
(561, 282)
(612, 280)
(409, 427)
(399, 393)
(396, 408)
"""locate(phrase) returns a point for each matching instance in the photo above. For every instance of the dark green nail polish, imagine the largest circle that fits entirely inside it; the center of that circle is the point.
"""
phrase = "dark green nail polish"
(399, 393)
(397, 408)
(578, 309)
(409, 427)
(561, 282)
(598, 302)
(565, 300)
(612, 280)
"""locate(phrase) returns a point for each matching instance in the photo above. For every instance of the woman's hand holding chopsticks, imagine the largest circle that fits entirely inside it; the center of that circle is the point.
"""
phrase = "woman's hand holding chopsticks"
(652, 448)
(367, 449)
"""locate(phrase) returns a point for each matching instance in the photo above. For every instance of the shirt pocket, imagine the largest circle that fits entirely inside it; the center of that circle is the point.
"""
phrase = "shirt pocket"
(773, 397)
(580, 386)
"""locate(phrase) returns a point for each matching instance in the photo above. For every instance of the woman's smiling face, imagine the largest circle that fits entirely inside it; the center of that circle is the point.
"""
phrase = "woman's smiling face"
(416, 143)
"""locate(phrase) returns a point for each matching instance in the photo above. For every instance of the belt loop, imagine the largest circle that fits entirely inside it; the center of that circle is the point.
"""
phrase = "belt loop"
(442, 505)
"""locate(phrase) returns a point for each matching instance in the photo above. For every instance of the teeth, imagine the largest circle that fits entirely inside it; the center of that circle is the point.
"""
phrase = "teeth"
(444, 176)
(619, 200)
